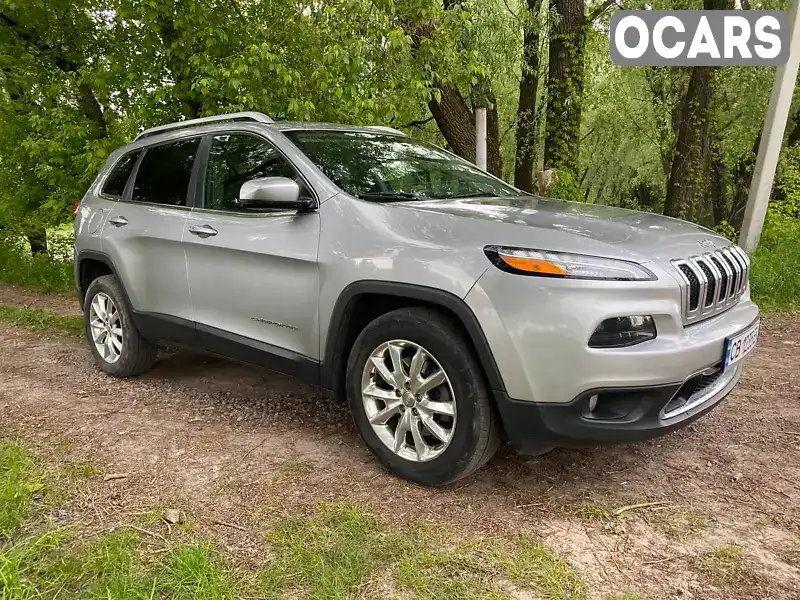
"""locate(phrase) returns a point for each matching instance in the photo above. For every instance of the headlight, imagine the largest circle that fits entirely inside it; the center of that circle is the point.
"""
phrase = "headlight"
(544, 263)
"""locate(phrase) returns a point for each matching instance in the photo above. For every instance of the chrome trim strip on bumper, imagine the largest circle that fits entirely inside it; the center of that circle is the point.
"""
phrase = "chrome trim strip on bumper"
(706, 394)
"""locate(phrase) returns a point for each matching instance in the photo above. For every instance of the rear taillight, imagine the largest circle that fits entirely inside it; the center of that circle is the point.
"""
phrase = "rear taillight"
(75, 208)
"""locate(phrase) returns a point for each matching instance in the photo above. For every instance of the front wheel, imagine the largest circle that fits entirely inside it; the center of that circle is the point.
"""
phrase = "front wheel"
(419, 399)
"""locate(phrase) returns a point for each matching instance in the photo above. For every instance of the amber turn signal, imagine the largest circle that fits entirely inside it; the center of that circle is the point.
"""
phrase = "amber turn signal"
(532, 265)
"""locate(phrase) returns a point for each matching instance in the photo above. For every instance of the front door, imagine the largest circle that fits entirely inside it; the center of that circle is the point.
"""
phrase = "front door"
(143, 233)
(253, 275)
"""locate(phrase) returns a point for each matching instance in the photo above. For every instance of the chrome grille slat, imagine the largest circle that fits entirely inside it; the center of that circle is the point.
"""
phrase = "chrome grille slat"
(712, 282)
(716, 276)
(727, 279)
(736, 267)
(743, 266)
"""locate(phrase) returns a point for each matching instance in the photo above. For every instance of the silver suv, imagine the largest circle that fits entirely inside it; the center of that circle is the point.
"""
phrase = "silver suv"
(450, 309)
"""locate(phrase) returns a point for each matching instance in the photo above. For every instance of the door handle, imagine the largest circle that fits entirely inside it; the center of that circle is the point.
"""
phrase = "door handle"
(203, 231)
(118, 221)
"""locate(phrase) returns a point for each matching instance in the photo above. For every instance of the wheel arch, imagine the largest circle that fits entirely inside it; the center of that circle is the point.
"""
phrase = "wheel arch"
(363, 301)
(91, 264)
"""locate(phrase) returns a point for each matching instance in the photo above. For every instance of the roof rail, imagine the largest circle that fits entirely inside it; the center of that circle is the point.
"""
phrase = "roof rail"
(388, 129)
(240, 116)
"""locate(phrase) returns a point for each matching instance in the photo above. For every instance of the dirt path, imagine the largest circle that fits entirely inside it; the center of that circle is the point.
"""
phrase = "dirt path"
(63, 304)
(241, 445)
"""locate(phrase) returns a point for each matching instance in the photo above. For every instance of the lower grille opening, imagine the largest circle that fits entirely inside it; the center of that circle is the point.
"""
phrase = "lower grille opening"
(691, 390)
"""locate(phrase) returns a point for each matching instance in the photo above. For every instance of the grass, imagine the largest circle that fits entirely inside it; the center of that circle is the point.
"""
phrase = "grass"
(20, 482)
(338, 551)
(37, 319)
(329, 555)
(486, 568)
(593, 512)
(724, 565)
(294, 467)
(775, 273)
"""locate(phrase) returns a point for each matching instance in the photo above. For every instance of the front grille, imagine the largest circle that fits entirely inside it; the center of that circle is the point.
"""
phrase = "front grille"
(712, 282)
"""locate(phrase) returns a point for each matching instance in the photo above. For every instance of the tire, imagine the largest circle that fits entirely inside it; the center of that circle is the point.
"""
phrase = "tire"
(134, 354)
(473, 433)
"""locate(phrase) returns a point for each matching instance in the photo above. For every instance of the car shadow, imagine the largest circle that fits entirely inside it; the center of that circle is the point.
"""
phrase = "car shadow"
(227, 385)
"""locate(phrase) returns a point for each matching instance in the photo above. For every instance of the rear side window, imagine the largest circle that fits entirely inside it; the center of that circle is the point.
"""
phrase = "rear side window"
(164, 173)
(116, 182)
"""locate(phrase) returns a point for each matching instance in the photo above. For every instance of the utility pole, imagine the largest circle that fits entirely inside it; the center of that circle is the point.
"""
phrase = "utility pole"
(480, 138)
(769, 149)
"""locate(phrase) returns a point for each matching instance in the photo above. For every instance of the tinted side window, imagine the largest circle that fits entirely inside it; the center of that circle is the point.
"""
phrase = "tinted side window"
(116, 182)
(164, 173)
(235, 160)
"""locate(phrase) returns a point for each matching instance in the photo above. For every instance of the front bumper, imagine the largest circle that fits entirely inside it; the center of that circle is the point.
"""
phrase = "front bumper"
(621, 415)
(538, 331)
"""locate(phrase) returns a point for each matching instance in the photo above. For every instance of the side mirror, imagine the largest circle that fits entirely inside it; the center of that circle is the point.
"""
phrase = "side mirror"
(271, 193)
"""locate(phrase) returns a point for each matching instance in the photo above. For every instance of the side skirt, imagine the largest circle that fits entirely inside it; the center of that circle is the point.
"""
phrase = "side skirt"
(166, 329)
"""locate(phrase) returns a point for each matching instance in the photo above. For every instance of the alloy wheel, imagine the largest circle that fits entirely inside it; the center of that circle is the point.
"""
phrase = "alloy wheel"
(408, 400)
(106, 327)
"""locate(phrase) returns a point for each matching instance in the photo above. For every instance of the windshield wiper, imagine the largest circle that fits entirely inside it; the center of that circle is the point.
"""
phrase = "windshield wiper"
(391, 196)
(469, 195)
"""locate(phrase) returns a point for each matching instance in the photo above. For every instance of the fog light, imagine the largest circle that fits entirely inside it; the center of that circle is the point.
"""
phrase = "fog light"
(619, 332)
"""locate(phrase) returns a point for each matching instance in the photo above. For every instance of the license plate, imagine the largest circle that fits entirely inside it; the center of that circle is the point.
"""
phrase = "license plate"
(739, 346)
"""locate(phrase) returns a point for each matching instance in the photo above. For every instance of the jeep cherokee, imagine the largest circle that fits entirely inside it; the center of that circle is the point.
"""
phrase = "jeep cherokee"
(451, 309)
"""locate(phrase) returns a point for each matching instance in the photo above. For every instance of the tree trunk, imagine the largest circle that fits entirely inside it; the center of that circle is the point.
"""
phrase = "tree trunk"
(719, 200)
(37, 238)
(456, 120)
(794, 132)
(454, 116)
(526, 109)
(91, 109)
(742, 176)
(690, 174)
(565, 86)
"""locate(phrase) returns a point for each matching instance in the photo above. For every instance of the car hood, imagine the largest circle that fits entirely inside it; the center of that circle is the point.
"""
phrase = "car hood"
(647, 235)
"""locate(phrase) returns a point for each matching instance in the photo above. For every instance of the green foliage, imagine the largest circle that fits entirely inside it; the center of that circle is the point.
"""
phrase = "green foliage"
(726, 229)
(565, 187)
(40, 272)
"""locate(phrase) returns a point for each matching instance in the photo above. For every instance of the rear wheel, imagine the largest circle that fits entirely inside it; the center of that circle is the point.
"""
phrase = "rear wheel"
(116, 345)
(419, 399)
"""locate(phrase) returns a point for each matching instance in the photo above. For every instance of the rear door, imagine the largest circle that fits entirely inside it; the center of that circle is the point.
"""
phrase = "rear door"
(253, 275)
(144, 229)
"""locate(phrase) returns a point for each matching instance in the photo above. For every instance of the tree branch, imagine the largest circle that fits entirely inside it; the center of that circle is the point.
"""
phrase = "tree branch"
(600, 10)
(417, 123)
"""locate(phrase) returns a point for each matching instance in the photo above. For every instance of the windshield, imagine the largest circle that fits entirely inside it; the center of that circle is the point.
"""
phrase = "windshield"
(385, 166)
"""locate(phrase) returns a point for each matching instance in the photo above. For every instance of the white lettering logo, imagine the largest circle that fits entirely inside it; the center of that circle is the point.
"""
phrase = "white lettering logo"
(700, 37)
